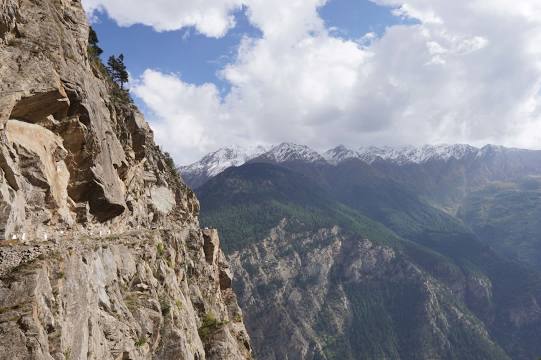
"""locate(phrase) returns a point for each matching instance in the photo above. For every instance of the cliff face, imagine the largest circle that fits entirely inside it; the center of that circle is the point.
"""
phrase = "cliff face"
(329, 295)
(101, 254)
(71, 150)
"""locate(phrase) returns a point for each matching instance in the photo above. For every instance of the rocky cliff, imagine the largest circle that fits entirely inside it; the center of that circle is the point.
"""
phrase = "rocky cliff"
(329, 295)
(101, 254)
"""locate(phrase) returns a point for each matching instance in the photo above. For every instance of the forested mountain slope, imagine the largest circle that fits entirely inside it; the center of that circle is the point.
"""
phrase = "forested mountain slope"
(355, 263)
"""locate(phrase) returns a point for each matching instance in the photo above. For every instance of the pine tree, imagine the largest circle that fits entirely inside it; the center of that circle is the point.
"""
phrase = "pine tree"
(123, 76)
(93, 42)
(112, 66)
(117, 70)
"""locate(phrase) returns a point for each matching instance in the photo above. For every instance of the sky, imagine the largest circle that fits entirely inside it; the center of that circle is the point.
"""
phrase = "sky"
(215, 73)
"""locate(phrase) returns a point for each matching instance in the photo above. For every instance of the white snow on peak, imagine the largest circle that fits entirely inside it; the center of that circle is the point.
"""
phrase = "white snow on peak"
(216, 162)
(292, 152)
(339, 154)
(400, 154)
(415, 154)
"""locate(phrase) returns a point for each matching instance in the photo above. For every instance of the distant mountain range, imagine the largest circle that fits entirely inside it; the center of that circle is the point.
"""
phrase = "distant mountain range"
(214, 163)
(430, 252)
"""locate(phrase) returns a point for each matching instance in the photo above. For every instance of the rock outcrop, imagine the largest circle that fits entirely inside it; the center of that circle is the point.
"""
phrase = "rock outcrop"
(101, 254)
(54, 92)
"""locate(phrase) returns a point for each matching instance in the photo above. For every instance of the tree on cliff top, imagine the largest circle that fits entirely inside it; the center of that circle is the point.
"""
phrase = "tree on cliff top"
(117, 70)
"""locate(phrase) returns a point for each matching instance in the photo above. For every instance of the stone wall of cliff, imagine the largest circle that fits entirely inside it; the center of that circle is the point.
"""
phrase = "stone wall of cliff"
(101, 255)
(72, 152)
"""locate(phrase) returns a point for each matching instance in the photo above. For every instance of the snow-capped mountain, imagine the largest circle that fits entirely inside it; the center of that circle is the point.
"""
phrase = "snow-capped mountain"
(213, 164)
(291, 152)
(216, 162)
(340, 153)
(416, 154)
(400, 154)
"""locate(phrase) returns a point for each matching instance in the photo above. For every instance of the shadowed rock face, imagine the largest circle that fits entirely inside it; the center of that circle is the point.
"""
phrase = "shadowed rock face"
(37, 107)
(103, 257)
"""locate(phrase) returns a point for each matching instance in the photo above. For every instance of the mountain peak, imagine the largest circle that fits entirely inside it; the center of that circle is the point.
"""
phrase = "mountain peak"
(292, 152)
(339, 154)
(214, 163)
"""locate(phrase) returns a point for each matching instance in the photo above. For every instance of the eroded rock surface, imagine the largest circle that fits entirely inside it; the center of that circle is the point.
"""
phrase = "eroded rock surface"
(140, 295)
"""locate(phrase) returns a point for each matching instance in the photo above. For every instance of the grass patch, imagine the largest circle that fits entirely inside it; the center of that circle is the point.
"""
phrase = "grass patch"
(112, 238)
(160, 249)
(209, 325)
(141, 342)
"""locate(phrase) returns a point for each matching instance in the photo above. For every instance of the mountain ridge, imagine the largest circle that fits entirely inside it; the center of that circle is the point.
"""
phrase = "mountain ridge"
(216, 162)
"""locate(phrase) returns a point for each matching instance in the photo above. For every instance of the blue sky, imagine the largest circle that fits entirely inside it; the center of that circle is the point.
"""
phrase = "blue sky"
(198, 58)
(215, 73)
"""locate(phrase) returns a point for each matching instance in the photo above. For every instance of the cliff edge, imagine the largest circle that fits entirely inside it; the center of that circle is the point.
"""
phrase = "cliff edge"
(101, 254)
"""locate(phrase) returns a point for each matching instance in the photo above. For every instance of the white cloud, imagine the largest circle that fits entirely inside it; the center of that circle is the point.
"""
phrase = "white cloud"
(212, 18)
(469, 71)
(424, 14)
(189, 115)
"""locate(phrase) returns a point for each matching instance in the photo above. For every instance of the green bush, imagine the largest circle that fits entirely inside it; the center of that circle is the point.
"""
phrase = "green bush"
(141, 342)
(209, 325)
